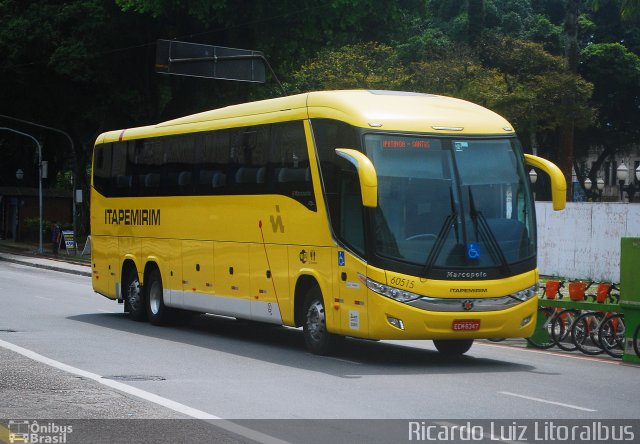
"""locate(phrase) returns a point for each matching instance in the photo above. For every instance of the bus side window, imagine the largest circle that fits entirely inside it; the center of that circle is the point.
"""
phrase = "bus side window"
(102, 169)
(289, 163)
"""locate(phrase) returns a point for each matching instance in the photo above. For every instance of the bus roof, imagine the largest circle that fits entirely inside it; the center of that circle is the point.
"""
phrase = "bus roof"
(385, 110)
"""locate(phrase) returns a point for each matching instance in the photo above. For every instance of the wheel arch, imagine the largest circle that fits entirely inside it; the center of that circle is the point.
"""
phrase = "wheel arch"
(306, 281)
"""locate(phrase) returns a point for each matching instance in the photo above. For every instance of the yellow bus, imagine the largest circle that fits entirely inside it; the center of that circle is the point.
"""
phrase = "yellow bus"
(368, 214)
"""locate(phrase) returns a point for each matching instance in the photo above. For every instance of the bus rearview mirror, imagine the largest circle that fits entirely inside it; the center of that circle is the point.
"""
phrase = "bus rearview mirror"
(558, 182)
(366, 174)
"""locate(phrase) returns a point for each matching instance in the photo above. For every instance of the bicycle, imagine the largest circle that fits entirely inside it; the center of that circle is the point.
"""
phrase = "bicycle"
(636, 341)
(601, 331)
(544, 340)
(611, 335)
(563, 321)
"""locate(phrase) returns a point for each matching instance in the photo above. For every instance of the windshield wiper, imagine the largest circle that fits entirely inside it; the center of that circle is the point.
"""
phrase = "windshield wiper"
(450, 221)
(481, 226)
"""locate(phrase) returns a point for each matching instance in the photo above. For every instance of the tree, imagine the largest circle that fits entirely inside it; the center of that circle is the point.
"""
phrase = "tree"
(367, 65)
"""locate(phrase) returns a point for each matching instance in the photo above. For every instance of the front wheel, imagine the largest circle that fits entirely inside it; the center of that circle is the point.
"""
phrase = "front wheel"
(453, 347)
(316, 336)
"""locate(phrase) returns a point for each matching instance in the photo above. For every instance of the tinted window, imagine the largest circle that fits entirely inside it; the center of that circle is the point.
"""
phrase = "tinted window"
(340, 181)
(261, 159)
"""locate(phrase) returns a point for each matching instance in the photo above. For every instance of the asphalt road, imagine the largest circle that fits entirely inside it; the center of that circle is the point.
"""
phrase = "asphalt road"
(70, 354)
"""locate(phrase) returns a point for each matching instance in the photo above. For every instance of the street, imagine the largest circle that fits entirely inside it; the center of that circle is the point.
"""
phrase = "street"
(68, 353)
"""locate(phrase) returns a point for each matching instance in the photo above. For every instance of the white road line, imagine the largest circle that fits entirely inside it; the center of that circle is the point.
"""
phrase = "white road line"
(552, 353)
(561, 404)
(342, 360)
(46, 299)
(147, 396)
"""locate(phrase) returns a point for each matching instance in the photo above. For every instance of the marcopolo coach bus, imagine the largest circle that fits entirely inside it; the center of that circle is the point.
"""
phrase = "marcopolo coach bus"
(370, 214)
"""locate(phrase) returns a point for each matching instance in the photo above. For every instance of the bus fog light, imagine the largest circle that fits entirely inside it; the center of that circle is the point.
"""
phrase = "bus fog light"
(396, 322)
(525, 321)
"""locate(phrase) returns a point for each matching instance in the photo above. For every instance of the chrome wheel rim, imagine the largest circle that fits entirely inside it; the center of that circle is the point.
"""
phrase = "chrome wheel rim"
(316, 321)
(133, 295)
(155, 296)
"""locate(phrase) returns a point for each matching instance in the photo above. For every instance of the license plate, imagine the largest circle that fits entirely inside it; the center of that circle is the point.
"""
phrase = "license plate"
(466, 324)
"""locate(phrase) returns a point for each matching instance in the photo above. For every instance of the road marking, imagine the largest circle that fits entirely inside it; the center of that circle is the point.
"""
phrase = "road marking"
(46, 299)
(147, 396)
(342, 360)
(561, 404)
(552, 353)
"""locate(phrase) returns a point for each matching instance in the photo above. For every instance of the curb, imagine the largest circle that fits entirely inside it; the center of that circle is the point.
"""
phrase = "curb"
(47, 267)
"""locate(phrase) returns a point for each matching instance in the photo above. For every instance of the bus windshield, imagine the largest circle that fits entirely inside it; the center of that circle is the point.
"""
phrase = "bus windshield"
(446, 203)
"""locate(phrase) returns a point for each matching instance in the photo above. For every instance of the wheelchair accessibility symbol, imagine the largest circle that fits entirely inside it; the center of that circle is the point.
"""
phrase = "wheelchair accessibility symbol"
(473, 250)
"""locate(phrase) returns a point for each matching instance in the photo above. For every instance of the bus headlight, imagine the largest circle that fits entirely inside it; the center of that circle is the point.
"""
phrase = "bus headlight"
(390, 292)
(526, 294)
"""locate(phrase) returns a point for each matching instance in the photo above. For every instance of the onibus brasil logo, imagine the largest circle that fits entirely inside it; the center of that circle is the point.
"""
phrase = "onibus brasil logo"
(32, 432)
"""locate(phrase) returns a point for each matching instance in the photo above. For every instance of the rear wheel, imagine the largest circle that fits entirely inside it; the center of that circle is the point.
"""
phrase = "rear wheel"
(561, 329)
(611, 335)
(453, 347)
(157, 312)
(134, 296)
(584, 333)
(541, 337)
(636, 341)
(316, 336)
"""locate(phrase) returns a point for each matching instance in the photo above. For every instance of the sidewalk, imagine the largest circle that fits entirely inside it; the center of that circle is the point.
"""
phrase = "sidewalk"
(25, 254)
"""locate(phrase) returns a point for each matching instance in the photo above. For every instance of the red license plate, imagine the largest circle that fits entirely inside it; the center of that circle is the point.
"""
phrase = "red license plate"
(466, 324)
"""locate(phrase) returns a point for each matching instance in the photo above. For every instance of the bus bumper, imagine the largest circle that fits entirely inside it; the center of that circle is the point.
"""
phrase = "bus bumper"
(390, 319)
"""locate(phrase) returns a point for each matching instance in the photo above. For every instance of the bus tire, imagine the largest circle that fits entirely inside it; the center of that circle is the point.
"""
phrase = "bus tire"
(134, 295)
(157, 312)
(453, 347)
(316, 336)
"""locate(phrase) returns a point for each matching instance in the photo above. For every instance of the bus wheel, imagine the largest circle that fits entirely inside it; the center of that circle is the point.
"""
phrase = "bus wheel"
(453, 347)
(157, 312)
(134, 296)
(319, 341)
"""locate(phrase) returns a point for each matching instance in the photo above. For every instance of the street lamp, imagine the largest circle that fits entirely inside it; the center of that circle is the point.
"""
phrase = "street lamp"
(21, 173)
(622, 172)
(600, 186)
(587, 186)
(533, 178)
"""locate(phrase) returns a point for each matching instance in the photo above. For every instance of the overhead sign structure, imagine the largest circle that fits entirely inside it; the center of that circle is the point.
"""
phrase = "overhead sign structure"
(214, 62)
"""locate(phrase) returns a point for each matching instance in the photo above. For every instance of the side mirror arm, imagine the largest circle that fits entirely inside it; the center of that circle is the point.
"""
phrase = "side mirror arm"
(558, 182)
(366, 174)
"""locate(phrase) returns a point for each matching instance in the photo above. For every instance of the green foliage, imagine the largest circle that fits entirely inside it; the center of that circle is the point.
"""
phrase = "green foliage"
(615, 71)
(87, 66)
(369, 66)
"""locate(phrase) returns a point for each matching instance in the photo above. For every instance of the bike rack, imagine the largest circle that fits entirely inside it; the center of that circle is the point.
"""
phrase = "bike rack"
(630, 303)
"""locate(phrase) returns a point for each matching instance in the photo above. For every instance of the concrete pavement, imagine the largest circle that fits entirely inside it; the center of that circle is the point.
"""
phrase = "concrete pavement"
(24, 254)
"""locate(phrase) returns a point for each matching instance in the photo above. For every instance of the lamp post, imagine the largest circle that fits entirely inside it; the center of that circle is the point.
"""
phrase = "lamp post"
(622, 173)
(533, 178)
(20, 174)
(587, 186)
(73, 152)
(600, 186)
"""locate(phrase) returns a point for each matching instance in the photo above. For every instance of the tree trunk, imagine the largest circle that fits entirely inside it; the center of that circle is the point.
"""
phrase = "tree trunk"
(571, 57)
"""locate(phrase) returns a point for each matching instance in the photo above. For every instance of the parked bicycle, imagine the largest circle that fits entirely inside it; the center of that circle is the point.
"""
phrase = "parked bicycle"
(544, 340)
